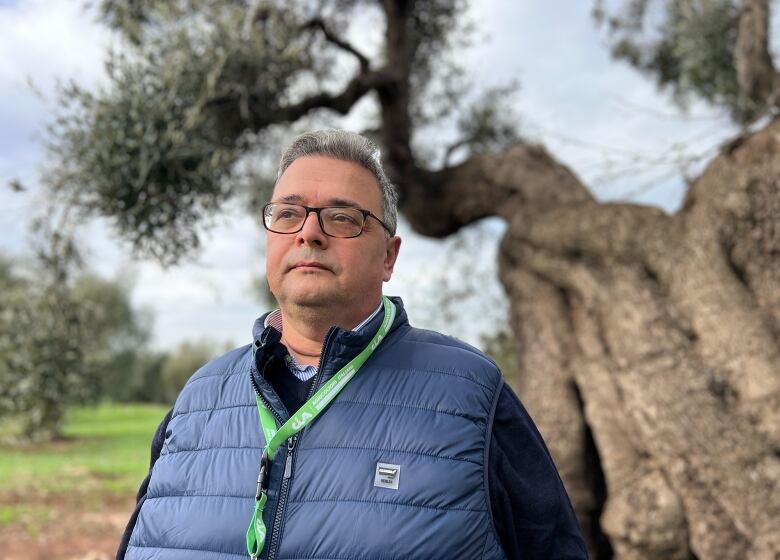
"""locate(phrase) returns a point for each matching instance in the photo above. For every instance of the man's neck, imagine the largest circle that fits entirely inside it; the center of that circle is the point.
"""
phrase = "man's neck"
(304, 330)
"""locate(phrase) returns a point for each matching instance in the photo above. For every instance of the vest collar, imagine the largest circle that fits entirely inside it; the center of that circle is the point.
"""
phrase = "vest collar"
(348, 338)
(340, 346)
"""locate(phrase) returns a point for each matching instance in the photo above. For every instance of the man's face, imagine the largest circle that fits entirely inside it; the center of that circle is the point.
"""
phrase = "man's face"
(311, 269)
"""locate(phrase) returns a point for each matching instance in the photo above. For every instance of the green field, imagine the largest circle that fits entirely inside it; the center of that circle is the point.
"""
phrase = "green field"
(106, 449)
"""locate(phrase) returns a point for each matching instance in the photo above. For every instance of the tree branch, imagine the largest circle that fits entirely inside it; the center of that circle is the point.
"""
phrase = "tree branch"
(256, 13)
(318, 23)
(255, 116)
(361, 84)
(521, 183)
(523, 179)
(756, 75)
(395, 98)
(628, 232)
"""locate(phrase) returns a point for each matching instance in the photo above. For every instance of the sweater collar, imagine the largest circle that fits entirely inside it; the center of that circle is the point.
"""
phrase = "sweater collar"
(274, 319)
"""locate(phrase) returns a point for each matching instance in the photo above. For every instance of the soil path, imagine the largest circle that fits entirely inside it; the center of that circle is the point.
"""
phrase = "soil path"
(62, 526)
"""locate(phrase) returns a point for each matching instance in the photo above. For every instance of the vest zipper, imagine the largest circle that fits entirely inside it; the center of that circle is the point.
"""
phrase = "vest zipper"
(263, 342)
(276, 533)
(276, 415)
(265, 401)
(276, 530)
(288, 460)
(318, 375)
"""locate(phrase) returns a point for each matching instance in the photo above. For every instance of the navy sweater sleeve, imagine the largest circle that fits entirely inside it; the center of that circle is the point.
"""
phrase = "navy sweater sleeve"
(157, 444)
(532, 513)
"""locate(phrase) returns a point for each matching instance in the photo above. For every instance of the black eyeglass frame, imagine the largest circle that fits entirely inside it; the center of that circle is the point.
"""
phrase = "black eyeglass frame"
(310, 209)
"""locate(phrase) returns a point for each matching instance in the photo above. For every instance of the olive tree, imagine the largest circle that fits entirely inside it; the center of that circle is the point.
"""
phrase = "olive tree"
(66, 336)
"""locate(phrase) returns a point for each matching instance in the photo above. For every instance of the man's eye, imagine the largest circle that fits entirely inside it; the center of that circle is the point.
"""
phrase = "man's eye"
(287, 215)
(344, 218)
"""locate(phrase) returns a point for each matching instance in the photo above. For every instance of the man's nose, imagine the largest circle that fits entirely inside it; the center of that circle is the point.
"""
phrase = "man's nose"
(311, 232)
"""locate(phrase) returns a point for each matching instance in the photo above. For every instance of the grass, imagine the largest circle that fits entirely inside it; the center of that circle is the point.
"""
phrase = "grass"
(105, 450)
(33, 519)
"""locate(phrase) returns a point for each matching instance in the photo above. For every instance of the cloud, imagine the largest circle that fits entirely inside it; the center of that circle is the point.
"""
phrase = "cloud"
(50, 39)
(41, 41)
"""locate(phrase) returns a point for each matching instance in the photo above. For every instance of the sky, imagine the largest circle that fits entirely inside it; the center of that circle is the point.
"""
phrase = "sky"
(603, 119)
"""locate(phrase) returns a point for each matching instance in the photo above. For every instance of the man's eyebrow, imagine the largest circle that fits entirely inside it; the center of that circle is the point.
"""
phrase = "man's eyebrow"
(298, 199)
(291, 198)
(342, 202)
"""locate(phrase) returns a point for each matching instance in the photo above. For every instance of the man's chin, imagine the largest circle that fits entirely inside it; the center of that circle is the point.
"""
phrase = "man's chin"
(314, 299)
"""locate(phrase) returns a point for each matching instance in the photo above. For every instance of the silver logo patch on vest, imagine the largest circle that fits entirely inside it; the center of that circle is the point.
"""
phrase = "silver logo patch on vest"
(387, 476)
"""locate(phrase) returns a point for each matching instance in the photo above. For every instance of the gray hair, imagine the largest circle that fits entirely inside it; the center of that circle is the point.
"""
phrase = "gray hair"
(346, 146)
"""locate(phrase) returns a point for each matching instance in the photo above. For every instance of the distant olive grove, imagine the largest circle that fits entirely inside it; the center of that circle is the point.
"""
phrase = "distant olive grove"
(75, 338)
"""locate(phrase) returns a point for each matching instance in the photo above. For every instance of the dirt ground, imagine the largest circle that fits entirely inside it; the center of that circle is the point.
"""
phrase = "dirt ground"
(62, 526)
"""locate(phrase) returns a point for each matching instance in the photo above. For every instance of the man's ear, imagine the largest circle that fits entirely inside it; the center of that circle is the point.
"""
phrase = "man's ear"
(391, 254)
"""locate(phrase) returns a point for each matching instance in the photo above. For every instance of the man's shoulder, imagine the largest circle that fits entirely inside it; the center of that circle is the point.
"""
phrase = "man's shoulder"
(218, 379)
(448, 349)
(235, 361)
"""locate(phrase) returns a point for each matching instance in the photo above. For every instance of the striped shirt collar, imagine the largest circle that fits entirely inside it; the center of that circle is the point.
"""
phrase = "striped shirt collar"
(306, 372)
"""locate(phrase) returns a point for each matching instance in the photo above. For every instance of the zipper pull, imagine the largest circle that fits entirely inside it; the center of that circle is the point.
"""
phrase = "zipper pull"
(288, 461)
(262, 477)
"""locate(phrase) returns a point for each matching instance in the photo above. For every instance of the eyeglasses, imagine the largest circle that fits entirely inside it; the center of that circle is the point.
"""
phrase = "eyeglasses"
(335, 221)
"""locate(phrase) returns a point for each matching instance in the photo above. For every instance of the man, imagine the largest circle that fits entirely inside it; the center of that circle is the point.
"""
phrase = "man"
(342, 432)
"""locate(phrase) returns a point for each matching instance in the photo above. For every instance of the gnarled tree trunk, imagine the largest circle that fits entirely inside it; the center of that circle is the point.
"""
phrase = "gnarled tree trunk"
(650, 355)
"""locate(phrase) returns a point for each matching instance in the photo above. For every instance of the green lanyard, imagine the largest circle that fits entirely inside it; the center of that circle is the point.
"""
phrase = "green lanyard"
(255, 535)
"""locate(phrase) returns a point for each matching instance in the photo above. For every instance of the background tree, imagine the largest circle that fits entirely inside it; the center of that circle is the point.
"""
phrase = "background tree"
(119, 333)
(182, 363)
(147, 385)
(66, 336)
(42, 360)
(648, 343)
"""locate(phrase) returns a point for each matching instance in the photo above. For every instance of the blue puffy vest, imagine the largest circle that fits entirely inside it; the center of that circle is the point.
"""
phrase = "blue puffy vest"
(394, 469)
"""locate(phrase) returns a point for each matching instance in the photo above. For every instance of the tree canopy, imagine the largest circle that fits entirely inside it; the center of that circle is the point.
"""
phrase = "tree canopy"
(199, 85)
(716, 50)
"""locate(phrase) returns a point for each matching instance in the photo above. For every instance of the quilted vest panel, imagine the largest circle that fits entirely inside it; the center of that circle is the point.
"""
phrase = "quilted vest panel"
(422, 403)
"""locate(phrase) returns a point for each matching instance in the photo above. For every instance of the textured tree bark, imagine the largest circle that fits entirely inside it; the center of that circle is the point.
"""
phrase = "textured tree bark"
(650, 347)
